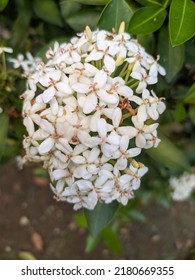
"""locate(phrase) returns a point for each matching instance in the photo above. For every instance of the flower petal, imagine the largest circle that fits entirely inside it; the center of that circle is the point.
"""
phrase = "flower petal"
(48, 94)
(46, 146)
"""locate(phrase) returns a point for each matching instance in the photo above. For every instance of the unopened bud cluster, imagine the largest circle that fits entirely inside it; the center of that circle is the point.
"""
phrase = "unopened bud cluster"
(88, 112)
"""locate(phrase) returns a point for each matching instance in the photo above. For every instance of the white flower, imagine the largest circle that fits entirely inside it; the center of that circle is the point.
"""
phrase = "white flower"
(141, 132)
(150, 106)
(5, 50)
(183, 186)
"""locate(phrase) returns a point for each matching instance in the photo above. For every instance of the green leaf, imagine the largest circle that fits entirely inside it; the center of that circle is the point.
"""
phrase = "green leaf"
(3, 4)
(112, 241)
(114, 13)
(147, 20)
(4, 125)
(80, 20)
(69, 8)
(21, 24)
(171, 58)
(150, 2)
(180, 112)
(190, 95)
(137, 215)
(98, 218)
(92, 243)
(169, 155)
(48, 11)
(92, 2)
(80, 220)
(181, 21)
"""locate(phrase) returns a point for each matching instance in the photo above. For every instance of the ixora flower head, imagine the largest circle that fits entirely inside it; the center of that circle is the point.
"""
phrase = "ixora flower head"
(88, 112)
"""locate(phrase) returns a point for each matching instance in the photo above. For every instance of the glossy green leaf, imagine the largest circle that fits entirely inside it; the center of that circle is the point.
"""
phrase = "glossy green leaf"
(4, 125)
(98, 218)
(169, 155)
(181, 21)
(112, 241)
(190, 96)
(150, 2)
(171, 58)
(147, 20)
(3, 4)
(48, 11)
(92, 2)
(80, 20)
(114, 13)
(69, 8)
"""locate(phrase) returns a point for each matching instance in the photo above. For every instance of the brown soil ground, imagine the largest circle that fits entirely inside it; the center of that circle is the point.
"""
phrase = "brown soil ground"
(32, 221)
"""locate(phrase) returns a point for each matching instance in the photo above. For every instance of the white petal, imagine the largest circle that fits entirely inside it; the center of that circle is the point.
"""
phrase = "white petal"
(133, 152)
(102, 127)
(64, 88)
(116, 117)
(152, 112)
(48, 94)
(100, 78)
(90, 103)
(78, 160)
(80, 171)
(54, 106)
(29, 125)
(161, 107)
(130, 131)
(94, 121)
(81, 88)
(150, 128)
(140, 140)
(124, 179)
(93, 155)
(84, 185)
(142, 171)
(124, 143)
(47, 126)
(109, 63)
(136, 75)
(121, 163)
(59, 174)
(109, 98)
(125, 91)
(46, 146)
(141, 113)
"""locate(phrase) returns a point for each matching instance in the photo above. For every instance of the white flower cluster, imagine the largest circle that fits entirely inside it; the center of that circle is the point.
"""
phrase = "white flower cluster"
(88, 112)
(27, 64)
(183, 186)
